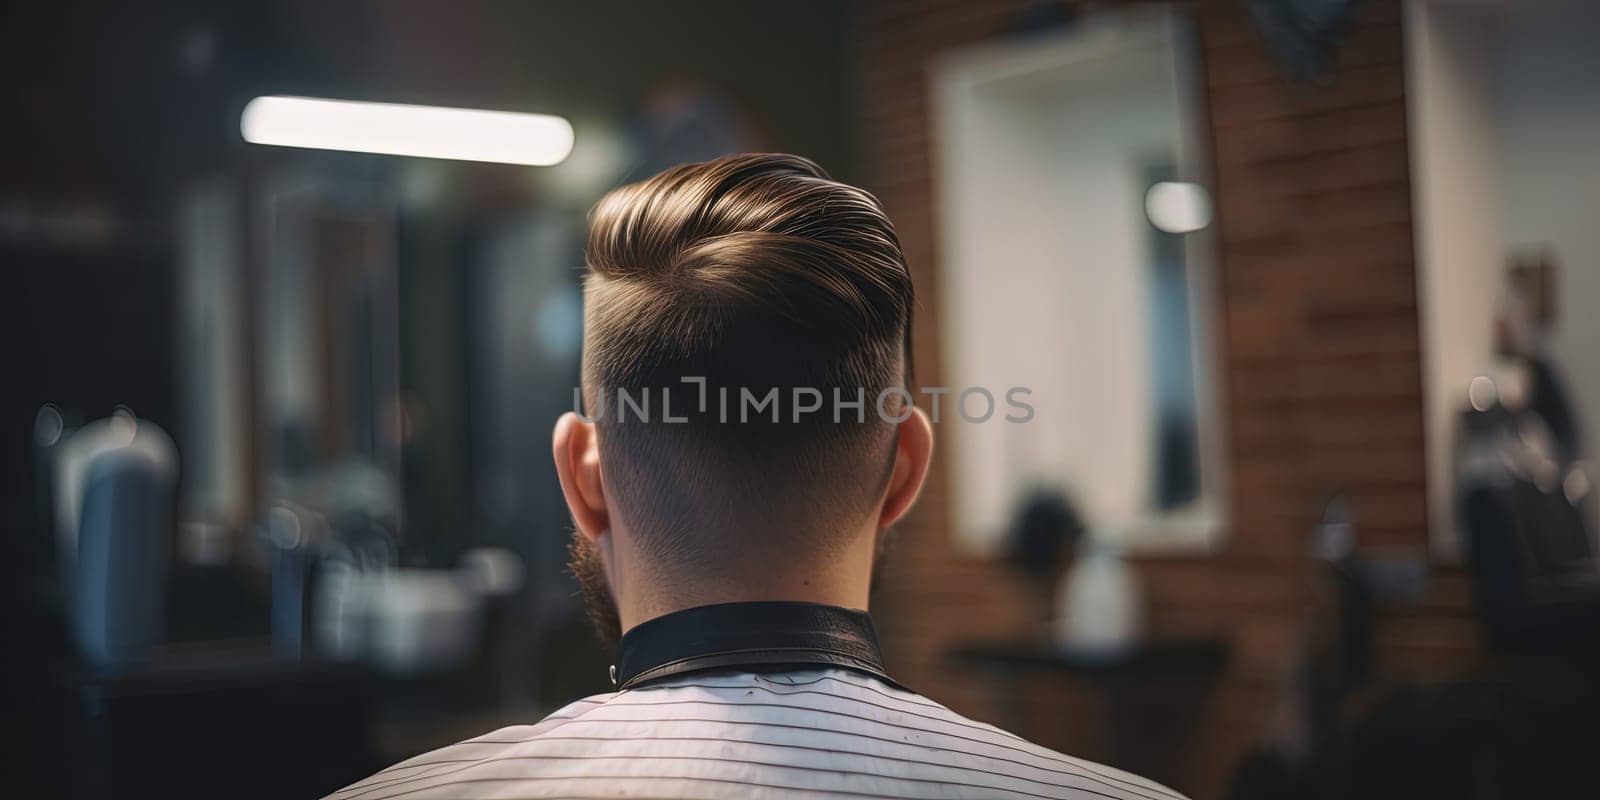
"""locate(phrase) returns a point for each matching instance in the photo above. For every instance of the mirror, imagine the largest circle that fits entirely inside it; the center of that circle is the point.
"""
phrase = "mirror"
(328, 331)
(1076, 262)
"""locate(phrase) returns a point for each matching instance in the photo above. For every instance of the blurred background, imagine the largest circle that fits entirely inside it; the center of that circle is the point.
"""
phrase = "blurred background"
(1300, 288)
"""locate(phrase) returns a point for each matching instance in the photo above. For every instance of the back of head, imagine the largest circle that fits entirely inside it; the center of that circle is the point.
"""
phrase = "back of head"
(723, 301)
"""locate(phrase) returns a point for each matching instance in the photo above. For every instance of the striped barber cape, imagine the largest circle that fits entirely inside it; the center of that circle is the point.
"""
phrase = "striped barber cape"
(752, 700)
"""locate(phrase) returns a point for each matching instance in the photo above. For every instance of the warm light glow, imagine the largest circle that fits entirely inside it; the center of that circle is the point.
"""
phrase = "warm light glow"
(1177, 207)
(465, 134)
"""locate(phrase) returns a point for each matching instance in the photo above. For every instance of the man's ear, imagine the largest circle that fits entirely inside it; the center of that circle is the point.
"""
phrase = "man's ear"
(913, 453)
(577, 454)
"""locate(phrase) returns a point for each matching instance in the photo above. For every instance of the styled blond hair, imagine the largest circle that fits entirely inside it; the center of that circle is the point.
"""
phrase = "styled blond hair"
(754, 272)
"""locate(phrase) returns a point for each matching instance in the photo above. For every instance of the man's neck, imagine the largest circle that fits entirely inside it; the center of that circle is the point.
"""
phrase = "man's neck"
(840, 579)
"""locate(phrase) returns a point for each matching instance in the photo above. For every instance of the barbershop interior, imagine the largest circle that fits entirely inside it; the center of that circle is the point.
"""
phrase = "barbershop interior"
(1297, 291)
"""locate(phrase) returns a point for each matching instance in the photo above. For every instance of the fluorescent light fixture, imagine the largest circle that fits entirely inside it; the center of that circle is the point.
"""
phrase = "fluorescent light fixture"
(464, 134)
(1177, 207)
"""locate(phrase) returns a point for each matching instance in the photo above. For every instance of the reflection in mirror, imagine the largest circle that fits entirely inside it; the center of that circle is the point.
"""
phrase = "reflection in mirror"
(329, 331)
(1076, 263)
(328, 350)
(1505, 179)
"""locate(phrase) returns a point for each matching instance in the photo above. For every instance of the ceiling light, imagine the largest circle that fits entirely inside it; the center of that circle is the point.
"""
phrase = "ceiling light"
(464, 134)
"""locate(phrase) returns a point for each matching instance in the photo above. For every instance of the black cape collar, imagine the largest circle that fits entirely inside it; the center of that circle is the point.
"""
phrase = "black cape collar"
(752, 637)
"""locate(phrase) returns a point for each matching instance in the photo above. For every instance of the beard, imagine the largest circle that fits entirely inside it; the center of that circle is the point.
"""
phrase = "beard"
(585, 564)
(880, 558)
(583, 561)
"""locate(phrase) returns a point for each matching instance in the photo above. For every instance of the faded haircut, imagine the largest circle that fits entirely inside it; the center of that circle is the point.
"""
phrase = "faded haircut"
(755, 272)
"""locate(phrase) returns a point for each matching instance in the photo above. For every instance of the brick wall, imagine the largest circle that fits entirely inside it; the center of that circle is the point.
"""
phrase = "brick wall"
(1320, 368)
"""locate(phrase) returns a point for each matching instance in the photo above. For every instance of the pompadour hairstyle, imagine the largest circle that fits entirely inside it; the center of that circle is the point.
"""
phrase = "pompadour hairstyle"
(754, 272)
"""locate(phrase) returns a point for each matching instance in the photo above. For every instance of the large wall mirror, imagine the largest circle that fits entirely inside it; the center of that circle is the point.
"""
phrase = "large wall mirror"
(1076, 261)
